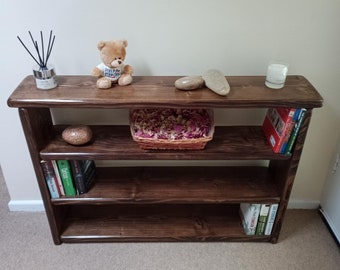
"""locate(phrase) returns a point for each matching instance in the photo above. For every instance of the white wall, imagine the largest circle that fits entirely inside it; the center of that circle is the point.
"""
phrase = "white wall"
(179, 37)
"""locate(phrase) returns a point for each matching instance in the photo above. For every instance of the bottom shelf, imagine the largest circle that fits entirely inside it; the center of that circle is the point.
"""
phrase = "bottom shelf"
(170, 222)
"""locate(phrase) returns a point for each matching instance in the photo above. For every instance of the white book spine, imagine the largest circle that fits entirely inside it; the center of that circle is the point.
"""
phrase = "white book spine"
(250, 213)
(271, 219)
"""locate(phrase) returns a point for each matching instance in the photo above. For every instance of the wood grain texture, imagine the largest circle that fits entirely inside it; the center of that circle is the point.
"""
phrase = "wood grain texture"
(38, 129)
(193, 184)
(159, 91)
(121, 223)
(116, 143)
(285, 172)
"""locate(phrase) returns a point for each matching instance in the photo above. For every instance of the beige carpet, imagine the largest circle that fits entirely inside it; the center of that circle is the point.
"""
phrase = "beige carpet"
(25, 243)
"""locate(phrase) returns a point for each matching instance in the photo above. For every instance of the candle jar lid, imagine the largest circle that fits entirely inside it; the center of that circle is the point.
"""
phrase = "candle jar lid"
(43, 72)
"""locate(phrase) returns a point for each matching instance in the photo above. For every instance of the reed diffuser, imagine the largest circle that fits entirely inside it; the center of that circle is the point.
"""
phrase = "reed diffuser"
(43, 72)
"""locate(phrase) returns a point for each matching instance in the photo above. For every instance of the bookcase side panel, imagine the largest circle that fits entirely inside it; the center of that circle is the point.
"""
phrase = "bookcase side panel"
(38, 129)
(285, 172)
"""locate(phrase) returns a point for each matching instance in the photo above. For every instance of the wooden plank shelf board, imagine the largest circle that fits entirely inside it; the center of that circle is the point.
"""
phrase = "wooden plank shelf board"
(157, 185)
(159, 91)
(116, 143)
(121, 223)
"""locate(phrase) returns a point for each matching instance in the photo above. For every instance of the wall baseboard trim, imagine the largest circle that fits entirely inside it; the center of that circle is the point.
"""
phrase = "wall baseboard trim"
(303, 204)
(38, 206)
(26, 206)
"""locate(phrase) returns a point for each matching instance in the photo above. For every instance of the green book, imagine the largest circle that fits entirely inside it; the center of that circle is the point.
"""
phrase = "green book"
(66, 177)
(295, 132)
(262, 220)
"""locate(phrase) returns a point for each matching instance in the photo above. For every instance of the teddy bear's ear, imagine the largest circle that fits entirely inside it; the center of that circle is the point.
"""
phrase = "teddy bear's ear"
(124, 42)
(101, 45)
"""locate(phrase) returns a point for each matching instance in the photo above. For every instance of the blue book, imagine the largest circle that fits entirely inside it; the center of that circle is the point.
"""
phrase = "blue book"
(290, 131)
(295, 132)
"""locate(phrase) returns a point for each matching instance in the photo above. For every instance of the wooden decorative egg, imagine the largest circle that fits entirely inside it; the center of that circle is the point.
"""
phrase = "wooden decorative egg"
(77, 135)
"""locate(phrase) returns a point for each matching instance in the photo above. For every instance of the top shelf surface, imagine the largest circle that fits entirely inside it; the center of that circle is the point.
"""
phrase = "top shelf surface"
(159, 91)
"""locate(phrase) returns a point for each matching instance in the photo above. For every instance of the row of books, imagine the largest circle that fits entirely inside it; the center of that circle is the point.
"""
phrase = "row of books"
(258, 219)
(281, 127)
(68, 177)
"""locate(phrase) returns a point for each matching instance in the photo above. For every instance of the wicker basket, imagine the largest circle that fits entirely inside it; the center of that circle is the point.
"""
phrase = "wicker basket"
(171, 144)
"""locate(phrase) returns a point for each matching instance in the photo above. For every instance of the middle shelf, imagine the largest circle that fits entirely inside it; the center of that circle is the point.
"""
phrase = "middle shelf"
(115, 143)
(178, 185)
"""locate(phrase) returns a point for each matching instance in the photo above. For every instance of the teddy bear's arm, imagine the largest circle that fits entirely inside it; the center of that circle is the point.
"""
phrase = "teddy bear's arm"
(97, 72)
(128, 69)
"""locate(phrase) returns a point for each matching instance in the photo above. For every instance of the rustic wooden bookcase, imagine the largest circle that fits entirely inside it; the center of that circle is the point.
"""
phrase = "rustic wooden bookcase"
(151, 203)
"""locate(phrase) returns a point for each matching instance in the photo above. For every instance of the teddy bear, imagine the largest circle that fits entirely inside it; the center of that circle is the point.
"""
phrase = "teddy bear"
(112, 69)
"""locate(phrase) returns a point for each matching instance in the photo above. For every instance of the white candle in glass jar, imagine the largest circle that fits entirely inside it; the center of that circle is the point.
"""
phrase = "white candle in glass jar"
(276, 75)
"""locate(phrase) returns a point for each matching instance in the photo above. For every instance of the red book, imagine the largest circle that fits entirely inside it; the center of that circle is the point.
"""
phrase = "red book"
(277, 125)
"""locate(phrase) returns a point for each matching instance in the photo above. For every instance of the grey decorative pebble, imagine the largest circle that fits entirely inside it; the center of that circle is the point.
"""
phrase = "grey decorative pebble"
(189, 83)
(77, 135)
(216, 81)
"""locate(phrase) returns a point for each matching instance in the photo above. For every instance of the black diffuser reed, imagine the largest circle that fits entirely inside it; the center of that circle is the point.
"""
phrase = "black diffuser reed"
(42, 57)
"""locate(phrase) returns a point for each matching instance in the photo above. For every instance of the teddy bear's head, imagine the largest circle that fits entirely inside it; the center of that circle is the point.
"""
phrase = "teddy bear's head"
(113, 53)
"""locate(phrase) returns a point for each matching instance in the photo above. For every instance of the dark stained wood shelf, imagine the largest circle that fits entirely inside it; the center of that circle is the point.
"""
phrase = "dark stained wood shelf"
(186, 185)
(116, 143)
(123, 223)
(152, 91)
(172, 203)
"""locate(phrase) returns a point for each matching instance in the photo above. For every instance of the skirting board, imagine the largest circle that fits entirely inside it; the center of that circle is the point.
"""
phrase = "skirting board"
(303, 204)
(26, 206)
(38, 206)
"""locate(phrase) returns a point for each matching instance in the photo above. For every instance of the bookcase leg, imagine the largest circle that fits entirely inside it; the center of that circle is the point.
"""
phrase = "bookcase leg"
(284, 174)
(38, 128)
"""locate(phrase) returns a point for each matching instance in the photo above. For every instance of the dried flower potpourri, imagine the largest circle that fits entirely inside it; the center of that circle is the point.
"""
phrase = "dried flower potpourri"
(180, 129)
(171, 124)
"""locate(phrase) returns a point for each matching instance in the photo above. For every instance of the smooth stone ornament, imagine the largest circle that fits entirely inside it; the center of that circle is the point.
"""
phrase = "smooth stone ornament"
(77, 135)
(189, 83)
(216, 81)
